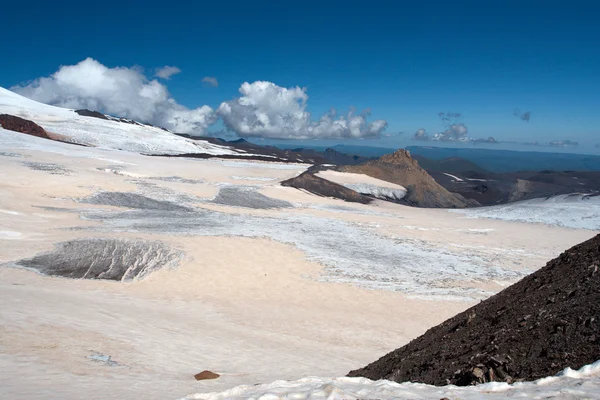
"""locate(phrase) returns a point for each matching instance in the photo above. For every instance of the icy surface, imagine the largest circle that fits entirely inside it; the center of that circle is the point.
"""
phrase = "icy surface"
(131, 200)
(365, 184)
(569, 384)
(97, 258)
(569, 211)
(377, 191)
(351, 253)
(248, 197)
(103, 133)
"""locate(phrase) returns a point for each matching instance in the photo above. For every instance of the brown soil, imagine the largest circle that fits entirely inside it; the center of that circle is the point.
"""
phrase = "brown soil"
(548, 321)
(18, 124)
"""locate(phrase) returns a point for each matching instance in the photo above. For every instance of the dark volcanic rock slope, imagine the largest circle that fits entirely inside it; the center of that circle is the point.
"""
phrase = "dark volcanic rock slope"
(548, 321)
(422, 189)
(18, 124)
(322, 187)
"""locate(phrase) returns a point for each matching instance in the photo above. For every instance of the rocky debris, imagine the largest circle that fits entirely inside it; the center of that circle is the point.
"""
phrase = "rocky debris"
(422, 190)
(89, 113)
(205, 156)
(206, 374)
(247, 197)
(132, 200)
(546, 322)
(18, 124)
(112, 259)
(322, 187)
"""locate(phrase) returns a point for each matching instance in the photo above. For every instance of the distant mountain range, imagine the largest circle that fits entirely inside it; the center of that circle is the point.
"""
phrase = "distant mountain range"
(490, 160)
(430, 176)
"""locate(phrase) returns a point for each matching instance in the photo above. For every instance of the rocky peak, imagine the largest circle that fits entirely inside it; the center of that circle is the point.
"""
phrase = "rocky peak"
(400, 157)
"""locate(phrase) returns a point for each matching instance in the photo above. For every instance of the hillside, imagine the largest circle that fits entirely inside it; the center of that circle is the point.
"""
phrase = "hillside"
(548, 321)
(422, 190)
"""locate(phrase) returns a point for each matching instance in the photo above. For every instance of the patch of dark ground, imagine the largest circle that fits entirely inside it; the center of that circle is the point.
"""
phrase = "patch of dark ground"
(322, 187)
(97, 258)
(18, 124)
(247, 197)
(546, 322)
(205, 156)
(53, 169)
(132, 200)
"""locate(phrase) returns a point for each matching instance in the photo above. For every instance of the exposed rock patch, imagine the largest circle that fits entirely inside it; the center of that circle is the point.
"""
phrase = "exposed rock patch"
(112, 259)
(206, 375)
(18, 124)
(322, 187)
(89, 113)
(548, 321)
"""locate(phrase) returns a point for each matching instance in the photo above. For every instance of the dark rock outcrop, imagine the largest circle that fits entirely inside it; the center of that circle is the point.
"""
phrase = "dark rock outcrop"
(322, 187)
(18, 124)
(89, 113)
(422, 190)
(112, 259)
(544, 323)
(206, 374)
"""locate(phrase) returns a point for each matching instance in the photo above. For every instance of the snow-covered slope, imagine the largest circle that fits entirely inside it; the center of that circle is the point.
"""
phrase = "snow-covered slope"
(576, 211)
(569, 384)
(98, 132)
(365, 184)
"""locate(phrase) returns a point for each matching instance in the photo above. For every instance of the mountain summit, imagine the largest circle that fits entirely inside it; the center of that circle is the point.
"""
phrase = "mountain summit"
(422, 190)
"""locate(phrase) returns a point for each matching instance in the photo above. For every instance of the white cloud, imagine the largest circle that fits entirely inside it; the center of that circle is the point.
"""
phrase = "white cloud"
(120, 91)
(454, 133)
(210, 80)
(270, 111)
(167, 72)
(421, 134)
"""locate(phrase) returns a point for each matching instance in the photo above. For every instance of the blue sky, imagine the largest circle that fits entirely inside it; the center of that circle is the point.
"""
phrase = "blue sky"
(406, 61)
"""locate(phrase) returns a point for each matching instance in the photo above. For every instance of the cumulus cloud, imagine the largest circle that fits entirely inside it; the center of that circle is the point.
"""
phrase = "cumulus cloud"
(524, 116)
(421, 134)
(167, 72)
(121, 91)
(210, 80)
(270, 111)
(455, 130)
